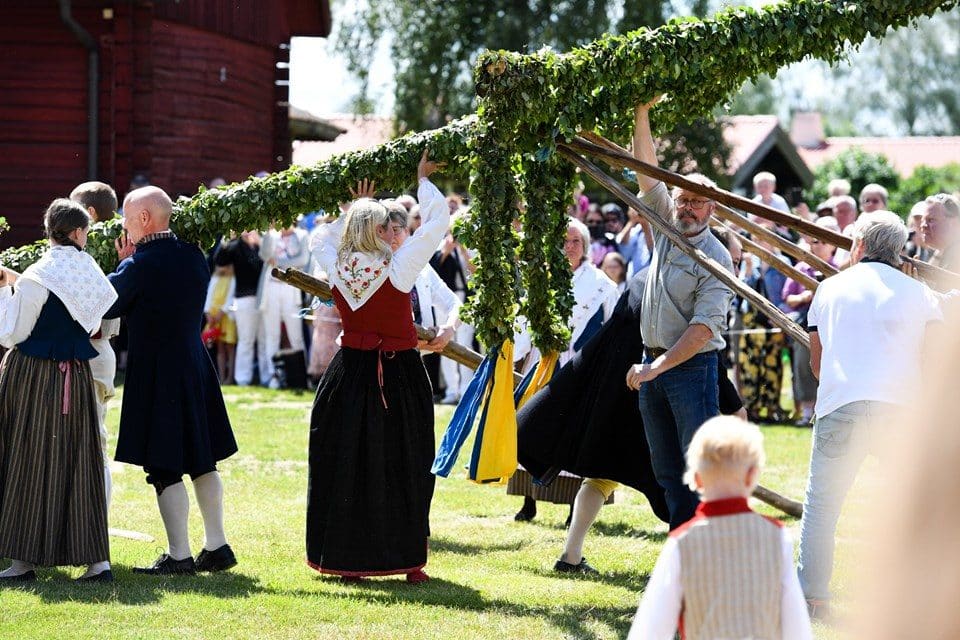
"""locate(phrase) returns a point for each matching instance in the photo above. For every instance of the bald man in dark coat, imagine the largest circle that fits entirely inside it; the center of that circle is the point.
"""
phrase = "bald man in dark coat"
(173, 420)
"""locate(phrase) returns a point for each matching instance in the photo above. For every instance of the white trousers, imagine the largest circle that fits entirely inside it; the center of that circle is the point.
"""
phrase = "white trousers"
(281, 303)
(248, 325)
(104, 369)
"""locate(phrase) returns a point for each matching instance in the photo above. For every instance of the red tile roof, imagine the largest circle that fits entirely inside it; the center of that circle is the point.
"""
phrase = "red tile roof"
(905, 154)
(744, 134)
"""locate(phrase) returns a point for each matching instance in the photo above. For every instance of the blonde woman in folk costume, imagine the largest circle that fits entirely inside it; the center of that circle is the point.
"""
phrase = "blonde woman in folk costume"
(371, 430)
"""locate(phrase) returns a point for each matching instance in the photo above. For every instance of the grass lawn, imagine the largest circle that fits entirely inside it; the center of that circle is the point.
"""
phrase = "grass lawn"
(491, 577)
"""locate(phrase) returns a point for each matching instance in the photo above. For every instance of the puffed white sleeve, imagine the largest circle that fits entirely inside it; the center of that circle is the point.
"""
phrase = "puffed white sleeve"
(610, 302)
(324, 243)
(794, 619)
(19, 310)
(659, 610)
(410, 259)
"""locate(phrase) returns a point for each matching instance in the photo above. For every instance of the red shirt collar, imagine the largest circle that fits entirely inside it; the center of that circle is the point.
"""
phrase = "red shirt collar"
(725, 507)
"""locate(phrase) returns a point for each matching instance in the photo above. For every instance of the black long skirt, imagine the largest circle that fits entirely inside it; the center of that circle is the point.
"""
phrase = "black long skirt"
(371, 449)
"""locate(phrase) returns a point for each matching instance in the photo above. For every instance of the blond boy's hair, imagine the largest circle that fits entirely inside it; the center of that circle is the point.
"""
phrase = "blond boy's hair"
(724, 445)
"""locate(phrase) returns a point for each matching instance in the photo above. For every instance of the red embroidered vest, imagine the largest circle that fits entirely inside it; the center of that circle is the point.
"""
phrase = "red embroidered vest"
(384, 322)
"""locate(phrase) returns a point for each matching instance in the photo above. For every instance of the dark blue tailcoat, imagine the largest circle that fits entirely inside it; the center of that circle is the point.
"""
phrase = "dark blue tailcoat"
(173, 417)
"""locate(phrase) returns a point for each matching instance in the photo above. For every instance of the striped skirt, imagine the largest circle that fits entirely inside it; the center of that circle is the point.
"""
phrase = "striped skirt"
(52, 500)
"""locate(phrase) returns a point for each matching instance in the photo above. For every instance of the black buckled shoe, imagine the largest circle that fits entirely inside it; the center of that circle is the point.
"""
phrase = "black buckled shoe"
(167, 566)
(28, 576)
(220, 559)
(104, 576)
(581, 567)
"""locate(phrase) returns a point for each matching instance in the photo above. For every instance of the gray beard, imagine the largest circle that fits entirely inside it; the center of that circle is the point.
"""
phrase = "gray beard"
(689, 228)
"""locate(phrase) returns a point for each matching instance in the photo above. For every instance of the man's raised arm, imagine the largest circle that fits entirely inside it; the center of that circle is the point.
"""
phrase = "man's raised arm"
(643, 147)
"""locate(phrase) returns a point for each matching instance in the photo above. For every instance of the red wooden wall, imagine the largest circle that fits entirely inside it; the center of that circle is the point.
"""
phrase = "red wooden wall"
(187, 92)
(43, 130)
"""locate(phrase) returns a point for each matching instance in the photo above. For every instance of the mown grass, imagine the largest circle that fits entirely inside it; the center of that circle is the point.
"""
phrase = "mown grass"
(491, 577)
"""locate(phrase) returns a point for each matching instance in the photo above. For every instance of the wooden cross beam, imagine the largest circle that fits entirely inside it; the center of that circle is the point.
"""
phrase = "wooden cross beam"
(941, 278)
(465, 356)
(665, 227)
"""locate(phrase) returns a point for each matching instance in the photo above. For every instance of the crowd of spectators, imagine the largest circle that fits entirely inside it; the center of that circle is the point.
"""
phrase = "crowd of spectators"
(252, 315)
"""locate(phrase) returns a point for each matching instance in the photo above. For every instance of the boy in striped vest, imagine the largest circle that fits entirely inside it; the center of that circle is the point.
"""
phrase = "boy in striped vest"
(727, 572)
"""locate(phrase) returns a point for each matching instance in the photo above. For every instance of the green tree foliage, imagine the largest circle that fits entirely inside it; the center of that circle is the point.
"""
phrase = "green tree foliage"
(904, 85)
(859, 167)
(918, 77)
(436, 44)
(924, 181)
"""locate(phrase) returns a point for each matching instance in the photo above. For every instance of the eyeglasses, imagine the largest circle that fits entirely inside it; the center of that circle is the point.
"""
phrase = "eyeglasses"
(871, 201)
(692, 203)
(594, 223)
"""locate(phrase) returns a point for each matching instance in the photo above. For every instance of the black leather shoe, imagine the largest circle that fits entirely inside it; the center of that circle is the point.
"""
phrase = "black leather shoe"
(104, 576)
(167, 566)
(581, 567)
(220, 559)
(528, 512)
(29, 576)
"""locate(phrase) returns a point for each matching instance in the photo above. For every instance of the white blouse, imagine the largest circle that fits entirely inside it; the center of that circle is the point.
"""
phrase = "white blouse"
(592, 290)
(362, 274)
(20, 307)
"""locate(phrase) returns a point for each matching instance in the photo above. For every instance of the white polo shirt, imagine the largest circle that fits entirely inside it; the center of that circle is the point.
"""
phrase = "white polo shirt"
(871, 320)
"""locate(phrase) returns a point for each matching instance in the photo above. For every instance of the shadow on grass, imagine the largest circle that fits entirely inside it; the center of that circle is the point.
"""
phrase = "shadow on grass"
(632, 581)
(56, 585)
(625, 529)
(573, 621)
(468, 549)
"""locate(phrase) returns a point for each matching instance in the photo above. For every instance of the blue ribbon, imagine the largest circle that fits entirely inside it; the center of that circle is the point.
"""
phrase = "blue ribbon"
(463, 418)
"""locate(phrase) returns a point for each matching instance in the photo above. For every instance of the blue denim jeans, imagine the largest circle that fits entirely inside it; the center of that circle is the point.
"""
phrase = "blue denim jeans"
(674, 405)
(841, 441)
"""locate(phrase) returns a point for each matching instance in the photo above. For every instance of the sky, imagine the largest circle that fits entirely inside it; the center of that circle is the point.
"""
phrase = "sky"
(320, 82)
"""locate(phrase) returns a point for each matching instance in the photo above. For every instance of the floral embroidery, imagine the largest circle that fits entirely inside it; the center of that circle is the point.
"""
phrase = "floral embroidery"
(358, 278)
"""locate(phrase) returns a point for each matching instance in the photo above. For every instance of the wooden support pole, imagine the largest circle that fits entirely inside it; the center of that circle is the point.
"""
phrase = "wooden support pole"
(469, 358)
(759, 302)
(777, 501)
(624, 159)
(617, 156)
(317, 287)
(771, 258)
(729, 215)
(759, 231)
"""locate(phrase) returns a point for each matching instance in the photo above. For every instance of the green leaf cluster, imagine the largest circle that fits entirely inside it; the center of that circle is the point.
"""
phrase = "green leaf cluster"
(530, 101)
(924, 181)
(544, 271)
(99, 245)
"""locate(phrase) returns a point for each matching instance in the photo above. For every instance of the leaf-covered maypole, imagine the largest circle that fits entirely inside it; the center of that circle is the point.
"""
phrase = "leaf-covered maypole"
(539, 98)
(526, 103)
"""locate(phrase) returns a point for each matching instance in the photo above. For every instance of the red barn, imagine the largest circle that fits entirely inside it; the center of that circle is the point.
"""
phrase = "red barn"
(179, 92)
